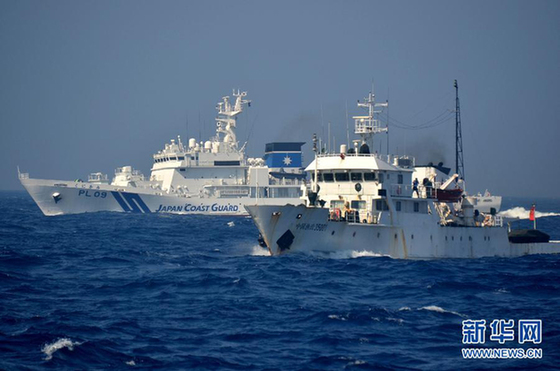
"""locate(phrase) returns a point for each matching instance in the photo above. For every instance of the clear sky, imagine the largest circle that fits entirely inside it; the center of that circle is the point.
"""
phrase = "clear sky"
(89, 86)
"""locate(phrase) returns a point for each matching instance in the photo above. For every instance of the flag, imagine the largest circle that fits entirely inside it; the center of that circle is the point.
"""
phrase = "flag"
(532, 213)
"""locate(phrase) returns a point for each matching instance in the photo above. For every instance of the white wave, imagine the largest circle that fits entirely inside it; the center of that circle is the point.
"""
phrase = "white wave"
(404, 309)
(131, 363)
(336, 316)
(434, 308)
(353, 254)
(259, 251)
(357, 363)
(50, 349)
(522, 213)
(398, 320)
(231, 224)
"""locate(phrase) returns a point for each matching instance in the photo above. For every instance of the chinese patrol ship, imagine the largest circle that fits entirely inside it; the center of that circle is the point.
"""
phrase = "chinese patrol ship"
(212, 177)
(366, 202)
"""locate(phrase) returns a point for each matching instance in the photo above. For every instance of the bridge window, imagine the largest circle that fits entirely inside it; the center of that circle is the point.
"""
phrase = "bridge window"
(328, 177)
(319, 176)
(356, 177)
(342, 177)
(369, 177)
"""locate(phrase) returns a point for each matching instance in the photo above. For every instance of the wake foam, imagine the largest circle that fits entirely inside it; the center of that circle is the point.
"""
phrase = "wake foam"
(259, 251)
(522, 213)
(434, 308)
(353, 254)
(50, 349)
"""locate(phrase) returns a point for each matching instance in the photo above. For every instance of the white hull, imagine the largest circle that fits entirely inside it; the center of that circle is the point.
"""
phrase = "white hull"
(80, 197)
(420, 239)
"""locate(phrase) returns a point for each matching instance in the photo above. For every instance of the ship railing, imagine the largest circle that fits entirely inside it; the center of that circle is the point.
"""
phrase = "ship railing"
(24, 175)
(396, 160)
(426, 192)
(401, 190)
(498, 221)
(352, 216)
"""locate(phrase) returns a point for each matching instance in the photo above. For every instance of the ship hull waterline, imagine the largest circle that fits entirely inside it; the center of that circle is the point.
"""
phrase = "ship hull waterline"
(297, 228)
(62, 197)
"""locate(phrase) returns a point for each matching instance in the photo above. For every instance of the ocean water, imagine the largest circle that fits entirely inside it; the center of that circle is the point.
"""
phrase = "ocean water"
(126, 291)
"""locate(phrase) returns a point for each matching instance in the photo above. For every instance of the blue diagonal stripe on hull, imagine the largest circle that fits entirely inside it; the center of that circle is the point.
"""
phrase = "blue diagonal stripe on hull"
(134, 201)
(120, 200)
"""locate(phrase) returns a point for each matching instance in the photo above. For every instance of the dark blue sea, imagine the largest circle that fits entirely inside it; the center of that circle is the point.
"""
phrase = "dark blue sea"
(127, 291)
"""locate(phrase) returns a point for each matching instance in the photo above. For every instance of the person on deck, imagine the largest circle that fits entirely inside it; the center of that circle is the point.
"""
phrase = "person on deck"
(415, 187)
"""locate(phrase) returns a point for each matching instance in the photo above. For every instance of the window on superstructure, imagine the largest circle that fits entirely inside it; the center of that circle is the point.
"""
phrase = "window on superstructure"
(416, 207)
(398, 206)
(342, 177)
(319, 176)
(400, 179)
(369, 177)
(356, 177)
(381, 205)
(380, 176)
(337, 204)
(328, 177)
(358, 204)
(181, 158)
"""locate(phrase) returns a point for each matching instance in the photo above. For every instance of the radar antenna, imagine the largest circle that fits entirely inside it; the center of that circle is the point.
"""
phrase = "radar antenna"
(226, 122)
(369, 125)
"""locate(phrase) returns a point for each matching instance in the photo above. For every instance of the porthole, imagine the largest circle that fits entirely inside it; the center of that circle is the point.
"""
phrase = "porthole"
(446, 238)
(470, 238)
(332, 233)
(378, 234)
(431, 238)
(354, 234)
(395, 236)
(452, 238)
(461, 238)
(298, 216)
(411, 236)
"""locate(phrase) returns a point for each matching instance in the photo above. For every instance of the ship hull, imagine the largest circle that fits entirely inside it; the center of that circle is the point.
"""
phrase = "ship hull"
(290, 228)
(55, 197)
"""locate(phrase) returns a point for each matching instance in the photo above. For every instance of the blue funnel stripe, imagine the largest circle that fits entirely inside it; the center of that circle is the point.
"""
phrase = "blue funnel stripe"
(120, 200)
(283, 159)
(134, 201)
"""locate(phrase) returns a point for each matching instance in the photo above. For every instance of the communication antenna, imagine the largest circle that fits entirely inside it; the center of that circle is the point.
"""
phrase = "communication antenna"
(347, 127)
(459, 167)
(387, 126)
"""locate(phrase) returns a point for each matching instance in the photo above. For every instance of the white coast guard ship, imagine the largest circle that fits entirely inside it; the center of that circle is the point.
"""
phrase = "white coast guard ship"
(212, 177)
(366, 202)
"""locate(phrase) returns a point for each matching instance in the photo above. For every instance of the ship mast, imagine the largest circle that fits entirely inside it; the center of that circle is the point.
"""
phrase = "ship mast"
(226, 122)
(459, 167)
(367, 126)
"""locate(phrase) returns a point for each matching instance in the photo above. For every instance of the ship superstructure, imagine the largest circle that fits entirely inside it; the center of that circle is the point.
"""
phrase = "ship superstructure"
(364, 201)
(210, 177)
